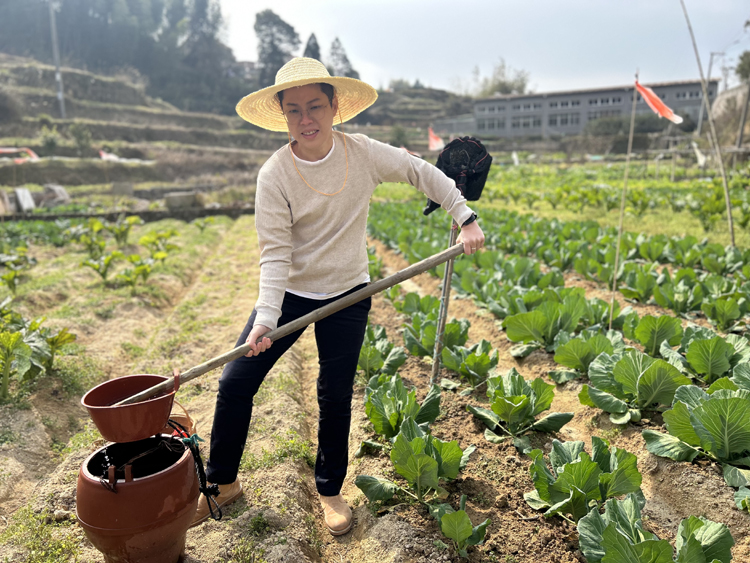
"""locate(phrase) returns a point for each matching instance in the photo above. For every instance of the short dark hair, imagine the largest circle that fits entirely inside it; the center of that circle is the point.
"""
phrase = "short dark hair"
(325, 87)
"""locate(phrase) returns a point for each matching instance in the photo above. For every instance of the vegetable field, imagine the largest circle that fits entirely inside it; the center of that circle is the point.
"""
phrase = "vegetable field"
(550, 435)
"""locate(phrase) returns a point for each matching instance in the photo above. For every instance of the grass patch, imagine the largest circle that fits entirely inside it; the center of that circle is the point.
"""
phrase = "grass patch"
(78, 373)
(246, 550)
(84, 439)
(289, 446)
(42, 542)
(7, 436)
(132, 350)
(313, 537)
(259, 526)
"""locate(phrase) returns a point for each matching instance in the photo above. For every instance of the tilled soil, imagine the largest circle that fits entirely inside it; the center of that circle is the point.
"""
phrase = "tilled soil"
(279, 517)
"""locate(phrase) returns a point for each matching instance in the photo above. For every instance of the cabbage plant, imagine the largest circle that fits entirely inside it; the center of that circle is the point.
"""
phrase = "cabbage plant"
(515, 406)
(652, 331)
(422, 460)
(618, 536)
(715, 425)
(574, 480)
(624, 385)
(378, 355)
(706, 356)
(540, 327)
(15, 359)
(473, 363)
(578, 353)
(388, 404)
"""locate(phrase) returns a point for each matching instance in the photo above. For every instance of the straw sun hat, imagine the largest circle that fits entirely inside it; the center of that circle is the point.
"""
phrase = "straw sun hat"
(262, 108)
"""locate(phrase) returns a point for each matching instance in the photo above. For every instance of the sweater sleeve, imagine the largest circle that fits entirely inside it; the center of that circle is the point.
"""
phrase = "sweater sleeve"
(273, 221)
(396, 165)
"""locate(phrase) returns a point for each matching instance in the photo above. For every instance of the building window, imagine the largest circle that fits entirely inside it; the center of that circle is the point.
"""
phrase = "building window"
(575, 103)
(537, 106)
(515, 123)
(603, 113)
(564, 104)
(537, 122)
(480, 124)
(563, 119)
(695, 94)
(526, 106)
(593, 102)
(501, 124)
(663, 96)
(680, 95)
(604, 101)
(500, 108)
(516, 107)
(482, 109)
(492, 108)
(553, 120)
(617, 100)
(553, 104)
(575, 118)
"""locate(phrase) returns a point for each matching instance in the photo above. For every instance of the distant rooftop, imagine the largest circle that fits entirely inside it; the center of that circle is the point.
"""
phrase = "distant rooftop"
(590, 90)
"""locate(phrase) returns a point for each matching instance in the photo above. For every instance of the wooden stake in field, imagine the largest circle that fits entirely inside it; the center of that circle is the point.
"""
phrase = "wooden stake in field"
(443, 311)
(622, 204)
(712, 137)
(660, 108)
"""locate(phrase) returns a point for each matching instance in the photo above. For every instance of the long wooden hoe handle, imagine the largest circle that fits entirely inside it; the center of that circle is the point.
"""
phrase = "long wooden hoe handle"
(289, 328)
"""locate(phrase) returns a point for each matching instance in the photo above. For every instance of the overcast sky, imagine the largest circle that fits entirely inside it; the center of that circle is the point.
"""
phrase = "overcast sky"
(563, 44)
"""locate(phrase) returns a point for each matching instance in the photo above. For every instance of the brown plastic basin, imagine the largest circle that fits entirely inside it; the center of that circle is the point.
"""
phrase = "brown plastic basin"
(128, 423)
(146, 519)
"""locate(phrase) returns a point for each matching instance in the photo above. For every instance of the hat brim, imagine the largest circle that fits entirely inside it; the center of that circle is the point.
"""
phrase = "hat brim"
(262, 108)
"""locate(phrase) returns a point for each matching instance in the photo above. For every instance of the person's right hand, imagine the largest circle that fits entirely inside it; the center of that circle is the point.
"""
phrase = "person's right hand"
(255, 333)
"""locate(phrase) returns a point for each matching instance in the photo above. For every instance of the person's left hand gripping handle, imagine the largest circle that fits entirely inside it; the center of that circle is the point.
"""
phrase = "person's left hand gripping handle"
(257, 347)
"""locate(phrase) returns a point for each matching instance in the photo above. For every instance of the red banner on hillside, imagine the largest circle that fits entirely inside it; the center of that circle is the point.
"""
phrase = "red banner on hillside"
(655, 103)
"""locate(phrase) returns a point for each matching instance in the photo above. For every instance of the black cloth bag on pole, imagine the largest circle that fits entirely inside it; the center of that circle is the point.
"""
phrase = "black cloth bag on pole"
(467, 162)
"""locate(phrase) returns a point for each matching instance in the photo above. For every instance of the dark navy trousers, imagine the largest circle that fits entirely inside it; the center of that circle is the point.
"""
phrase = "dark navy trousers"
(339, 338)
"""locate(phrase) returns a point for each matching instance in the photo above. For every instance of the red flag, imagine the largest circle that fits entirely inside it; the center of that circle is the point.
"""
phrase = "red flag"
(434, 143)
(655, 103)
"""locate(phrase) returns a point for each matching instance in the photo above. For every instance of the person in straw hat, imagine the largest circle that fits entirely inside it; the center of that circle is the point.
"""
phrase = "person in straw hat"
(311, 208)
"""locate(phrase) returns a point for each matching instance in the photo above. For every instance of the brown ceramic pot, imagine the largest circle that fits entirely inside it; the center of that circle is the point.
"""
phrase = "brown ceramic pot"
(128, 423)
(146, 517)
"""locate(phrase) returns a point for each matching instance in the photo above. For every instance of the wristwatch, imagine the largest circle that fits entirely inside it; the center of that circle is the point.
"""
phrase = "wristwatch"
(470, 220)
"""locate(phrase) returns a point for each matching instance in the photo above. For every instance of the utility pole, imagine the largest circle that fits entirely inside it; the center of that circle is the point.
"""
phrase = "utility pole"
(56, 55)
(704, 102)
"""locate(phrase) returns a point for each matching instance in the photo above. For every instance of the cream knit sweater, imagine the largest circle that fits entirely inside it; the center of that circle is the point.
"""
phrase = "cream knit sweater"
(313, 242)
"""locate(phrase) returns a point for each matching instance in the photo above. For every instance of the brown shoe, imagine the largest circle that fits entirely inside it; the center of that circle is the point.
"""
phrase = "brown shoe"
(338, 515)
(227, 495)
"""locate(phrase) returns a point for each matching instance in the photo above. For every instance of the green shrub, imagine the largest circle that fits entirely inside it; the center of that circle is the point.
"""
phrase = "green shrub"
(82, 137)
(50, 138)
(10, 107)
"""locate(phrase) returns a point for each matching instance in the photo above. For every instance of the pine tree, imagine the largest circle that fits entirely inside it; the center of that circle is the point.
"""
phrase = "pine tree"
(277, 41)
(339, 64)
(312, 49)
